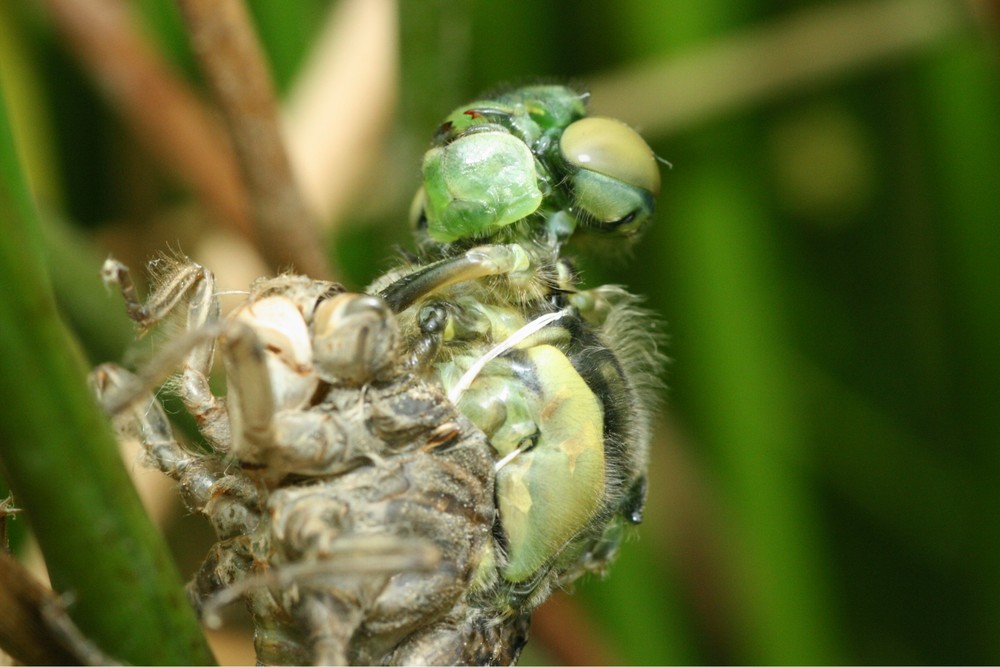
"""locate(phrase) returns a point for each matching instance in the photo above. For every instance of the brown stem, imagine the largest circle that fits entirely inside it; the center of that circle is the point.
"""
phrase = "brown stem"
(159, 108)
(24, 633)
(230, 56)
(354, 57)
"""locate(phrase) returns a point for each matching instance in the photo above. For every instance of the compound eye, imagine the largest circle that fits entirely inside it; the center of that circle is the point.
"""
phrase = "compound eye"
(611, 148)
(354, 339)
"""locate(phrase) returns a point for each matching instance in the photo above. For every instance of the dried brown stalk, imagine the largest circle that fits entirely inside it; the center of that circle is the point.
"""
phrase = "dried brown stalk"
(24, 633)
(230, 56)
(160, 109)
(804, 49)
(342, 106)
(34, 627)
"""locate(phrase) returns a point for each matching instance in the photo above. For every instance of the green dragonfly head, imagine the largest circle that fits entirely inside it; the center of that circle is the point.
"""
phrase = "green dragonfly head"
(534, 154)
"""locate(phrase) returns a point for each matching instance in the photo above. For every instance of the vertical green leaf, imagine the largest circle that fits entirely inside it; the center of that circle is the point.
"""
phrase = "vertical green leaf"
(58, 455)
(744, 397)
(961, 94)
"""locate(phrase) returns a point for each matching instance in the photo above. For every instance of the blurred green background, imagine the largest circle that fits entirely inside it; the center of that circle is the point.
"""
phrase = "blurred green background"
(825, 484)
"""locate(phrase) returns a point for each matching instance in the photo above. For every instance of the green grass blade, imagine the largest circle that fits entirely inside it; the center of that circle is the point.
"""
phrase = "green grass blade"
(58, 455)
(743, 395)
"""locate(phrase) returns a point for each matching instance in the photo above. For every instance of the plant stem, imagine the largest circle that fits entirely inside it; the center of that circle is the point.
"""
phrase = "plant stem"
(230, 56)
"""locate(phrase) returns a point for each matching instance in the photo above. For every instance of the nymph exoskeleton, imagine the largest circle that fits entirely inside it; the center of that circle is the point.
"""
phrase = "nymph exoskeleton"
(557, 377)
(353, 504)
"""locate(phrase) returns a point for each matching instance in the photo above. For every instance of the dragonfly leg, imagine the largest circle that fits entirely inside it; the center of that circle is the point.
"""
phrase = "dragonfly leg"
(230, 502)
(180, 283)
(332, 623)
(478, 262)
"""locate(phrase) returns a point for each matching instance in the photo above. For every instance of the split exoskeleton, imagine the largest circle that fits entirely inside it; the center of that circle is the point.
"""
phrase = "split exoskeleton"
(401, 476)
(331, 464)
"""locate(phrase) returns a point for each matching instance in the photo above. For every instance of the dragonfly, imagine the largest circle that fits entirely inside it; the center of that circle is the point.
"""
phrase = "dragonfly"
(401, 476)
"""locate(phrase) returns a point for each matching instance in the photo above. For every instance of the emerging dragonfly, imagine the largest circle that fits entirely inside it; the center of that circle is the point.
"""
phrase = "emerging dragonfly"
(402, 477)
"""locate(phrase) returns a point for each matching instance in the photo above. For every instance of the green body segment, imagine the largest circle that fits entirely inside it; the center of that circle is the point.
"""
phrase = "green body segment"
(548, 494)
(535, 401)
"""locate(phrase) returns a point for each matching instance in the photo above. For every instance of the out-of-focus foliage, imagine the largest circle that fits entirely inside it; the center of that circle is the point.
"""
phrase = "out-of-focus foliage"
(826, 254)
(60, 458)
